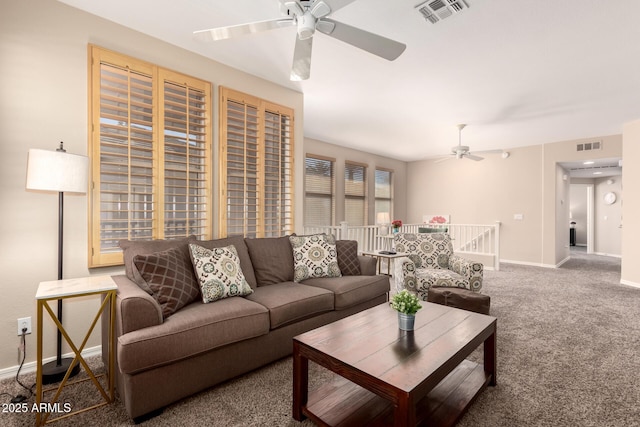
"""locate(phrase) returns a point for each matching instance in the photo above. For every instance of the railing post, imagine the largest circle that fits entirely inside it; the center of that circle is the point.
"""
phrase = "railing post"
(344, 230)
(496, 260)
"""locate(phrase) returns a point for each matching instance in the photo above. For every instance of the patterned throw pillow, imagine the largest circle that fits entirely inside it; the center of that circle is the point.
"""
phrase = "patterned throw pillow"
(348, 261)
(314, 256)
(218, 272)
(170, 278)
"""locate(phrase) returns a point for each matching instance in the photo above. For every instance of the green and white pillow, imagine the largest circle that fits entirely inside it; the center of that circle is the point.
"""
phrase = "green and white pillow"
(314, 256)
(218, 272)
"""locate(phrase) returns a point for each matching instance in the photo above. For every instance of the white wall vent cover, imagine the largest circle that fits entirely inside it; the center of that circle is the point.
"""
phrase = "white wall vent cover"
(436, 10)
(588, 146)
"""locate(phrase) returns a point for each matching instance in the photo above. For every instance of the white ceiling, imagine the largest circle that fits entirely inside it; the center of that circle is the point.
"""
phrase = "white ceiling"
(518, 73)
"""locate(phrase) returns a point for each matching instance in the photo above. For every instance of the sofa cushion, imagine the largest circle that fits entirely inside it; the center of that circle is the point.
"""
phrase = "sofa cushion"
(131, 248)
(314, 256)
(349, 291)
(195, 329)
(170, 277)
(272, 259)
(289, 302)
(348, 261)
(243, 254)
(219, 273)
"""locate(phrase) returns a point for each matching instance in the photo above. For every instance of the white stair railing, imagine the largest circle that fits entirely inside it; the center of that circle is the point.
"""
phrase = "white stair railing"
(473, 239)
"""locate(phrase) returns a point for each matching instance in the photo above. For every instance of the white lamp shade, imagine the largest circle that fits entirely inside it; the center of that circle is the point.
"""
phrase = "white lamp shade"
(383, 218)
(57, 171)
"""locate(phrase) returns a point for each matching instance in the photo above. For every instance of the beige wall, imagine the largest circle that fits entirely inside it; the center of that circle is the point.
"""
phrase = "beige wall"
(529, 182)
(631, 206)
(43, 100)
(341, 154)
(494, 189)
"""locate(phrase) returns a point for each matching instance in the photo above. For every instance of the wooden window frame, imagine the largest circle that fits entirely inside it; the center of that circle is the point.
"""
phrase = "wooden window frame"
(262, 108)
(159, 76)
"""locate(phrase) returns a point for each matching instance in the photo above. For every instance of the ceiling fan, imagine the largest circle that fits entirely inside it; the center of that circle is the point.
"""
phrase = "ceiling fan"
(462, 151)
(309, 16)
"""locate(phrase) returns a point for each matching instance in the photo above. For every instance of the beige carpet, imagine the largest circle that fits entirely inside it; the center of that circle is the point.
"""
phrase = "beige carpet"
(568, 355)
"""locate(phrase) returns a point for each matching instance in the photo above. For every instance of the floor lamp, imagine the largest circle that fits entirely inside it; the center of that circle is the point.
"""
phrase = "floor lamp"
(60, 172)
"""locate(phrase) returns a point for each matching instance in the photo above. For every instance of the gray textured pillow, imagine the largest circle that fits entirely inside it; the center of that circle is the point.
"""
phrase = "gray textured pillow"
(170, 278)
(219, 273)
(314, 256)
(272, 259)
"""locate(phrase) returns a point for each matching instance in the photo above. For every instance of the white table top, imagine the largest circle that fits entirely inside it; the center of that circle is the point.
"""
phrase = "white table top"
(377, 253)
(78, 286)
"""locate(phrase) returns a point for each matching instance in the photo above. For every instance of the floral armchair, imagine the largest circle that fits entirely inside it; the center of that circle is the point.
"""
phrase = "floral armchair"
(432, 263)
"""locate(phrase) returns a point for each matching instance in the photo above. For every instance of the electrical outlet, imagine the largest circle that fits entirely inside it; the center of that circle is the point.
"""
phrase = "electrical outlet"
(24, 322)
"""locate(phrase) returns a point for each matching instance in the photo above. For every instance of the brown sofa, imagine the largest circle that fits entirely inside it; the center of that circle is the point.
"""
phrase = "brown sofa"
(160, 360)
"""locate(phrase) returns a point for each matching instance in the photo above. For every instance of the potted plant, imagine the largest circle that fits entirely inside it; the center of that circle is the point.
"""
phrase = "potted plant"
(407, 305)
(396, 224)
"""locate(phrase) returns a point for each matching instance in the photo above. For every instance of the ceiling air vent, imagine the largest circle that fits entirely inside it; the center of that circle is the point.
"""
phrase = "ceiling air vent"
(437, 10)
(588, 146)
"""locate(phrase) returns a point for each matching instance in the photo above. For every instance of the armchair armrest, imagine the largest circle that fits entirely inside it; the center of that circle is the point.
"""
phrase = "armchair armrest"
(404, 274)
(471, 270)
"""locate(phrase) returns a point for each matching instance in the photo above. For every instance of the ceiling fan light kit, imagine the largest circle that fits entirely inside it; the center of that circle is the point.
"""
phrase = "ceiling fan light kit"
(309, 16)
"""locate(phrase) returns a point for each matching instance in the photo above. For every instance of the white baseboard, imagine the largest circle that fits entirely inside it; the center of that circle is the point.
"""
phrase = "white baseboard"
(629, 283)
(31, 366)
(531, 264)
(606, 254)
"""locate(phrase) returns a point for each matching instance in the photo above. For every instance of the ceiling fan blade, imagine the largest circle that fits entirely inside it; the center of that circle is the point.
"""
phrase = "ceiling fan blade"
(222, 33)
(472, 157)
(301, 67)
(372, 43)
(489, 151)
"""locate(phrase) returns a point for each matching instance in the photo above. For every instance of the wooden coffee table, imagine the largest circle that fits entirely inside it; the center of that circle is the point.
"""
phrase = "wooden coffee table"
(393, 377)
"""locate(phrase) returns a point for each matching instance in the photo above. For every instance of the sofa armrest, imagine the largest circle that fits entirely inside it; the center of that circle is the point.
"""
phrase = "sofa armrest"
(367, 265)
(470, 270)
(404, 274)
(135, 308)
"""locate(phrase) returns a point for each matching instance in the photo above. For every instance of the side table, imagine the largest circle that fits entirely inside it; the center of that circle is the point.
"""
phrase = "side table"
(389, 257)
(70, 288)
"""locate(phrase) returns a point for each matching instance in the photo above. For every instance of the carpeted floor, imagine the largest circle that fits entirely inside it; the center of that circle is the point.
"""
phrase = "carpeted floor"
(568, 355)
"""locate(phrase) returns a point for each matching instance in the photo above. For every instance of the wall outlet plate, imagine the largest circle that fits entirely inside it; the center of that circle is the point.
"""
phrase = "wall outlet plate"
(24, 322)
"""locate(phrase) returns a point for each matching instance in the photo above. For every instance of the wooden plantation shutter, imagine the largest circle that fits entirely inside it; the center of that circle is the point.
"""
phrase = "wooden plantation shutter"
(319, 189)
(278, 172)
(241, 177)
(185, 172)
(256, 145)
(150, 154)
(355, 193)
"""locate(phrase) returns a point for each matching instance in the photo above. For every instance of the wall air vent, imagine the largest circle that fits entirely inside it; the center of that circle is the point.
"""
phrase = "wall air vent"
(436, 10)
(588, 146)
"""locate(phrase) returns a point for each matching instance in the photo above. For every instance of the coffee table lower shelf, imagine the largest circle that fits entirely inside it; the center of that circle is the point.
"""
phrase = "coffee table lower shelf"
(344, 403)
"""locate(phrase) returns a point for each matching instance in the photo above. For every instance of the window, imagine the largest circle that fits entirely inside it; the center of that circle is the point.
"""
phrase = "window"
(384, 198)
(256, 145)
(151, 154)
(319, 190)
(355, 193)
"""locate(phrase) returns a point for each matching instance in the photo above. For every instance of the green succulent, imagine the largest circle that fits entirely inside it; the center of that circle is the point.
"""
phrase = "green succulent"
(405, 302)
